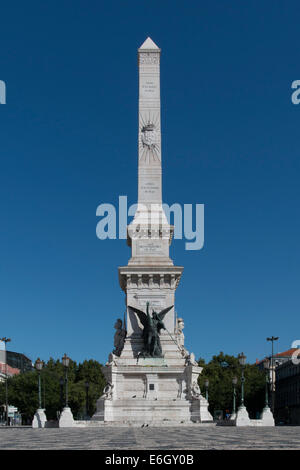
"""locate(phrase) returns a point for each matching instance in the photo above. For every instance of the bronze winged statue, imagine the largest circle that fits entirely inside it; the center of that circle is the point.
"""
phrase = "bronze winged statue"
(152, 327)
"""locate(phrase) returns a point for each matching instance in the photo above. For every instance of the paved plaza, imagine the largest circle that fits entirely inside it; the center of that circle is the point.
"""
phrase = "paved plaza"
(189, 438)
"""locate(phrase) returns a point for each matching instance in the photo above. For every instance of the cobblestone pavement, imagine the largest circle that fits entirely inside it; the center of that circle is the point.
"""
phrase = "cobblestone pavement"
(111, 438)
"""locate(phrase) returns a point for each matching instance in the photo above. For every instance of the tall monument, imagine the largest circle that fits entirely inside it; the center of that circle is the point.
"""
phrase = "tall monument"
(151, 377)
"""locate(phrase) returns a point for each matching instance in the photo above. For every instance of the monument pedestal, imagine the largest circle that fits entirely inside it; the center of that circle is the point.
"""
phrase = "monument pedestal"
(66, 419)
(152, 391)
(39, 419)
(199, 411)
(242, 417)
(267, 417)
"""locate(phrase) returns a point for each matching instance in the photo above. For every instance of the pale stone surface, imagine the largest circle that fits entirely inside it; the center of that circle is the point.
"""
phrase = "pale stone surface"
(267, 417)
(149, 44)
(194, 436)
(66, 419)
(242, 417)
(39, 419)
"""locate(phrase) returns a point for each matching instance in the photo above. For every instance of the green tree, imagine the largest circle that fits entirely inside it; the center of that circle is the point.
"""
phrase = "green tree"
(220, 372)
(90, 371)
(23, 389)
(22, 392)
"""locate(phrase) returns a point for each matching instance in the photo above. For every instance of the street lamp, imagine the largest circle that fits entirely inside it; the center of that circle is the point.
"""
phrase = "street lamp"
(87, 386)
(272, 339)
(234, 383)
(39, 365)
(267, 369)
(66, 362)
(6, 340)
(242, 361)
(61, 383)
(206, 383)
(267, 415)
(40, 418)
(44, 388)
(66, 419)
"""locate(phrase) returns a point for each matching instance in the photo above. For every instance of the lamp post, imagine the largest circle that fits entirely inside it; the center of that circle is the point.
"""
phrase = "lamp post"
(267, 369)
(66, 419)
(44, 390)
(66, 362)
(61, 386)
(242, 417)
(40, 418)
(267, 415)
(234, 383)
(272, 339)
(39, 365)
(242, 361)
(87, 386)
(206, 383)
(6, 340)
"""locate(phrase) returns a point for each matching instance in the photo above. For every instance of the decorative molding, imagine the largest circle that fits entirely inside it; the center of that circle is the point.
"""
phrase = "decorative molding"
(149, 280)
(149, 58)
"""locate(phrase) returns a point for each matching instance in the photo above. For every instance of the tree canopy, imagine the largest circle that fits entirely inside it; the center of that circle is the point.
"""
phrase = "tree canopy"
(220, 371)
(23, 389)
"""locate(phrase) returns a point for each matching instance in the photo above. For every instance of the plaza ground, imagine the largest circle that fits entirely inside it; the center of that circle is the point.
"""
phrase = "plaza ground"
(112, 438)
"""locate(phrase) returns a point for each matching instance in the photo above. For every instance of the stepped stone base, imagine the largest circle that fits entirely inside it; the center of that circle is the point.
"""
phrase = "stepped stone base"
(141, 424)
(153, 391)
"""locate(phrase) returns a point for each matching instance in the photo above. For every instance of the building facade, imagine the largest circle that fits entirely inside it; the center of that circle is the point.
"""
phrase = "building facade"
(13, 363)
(287, 403)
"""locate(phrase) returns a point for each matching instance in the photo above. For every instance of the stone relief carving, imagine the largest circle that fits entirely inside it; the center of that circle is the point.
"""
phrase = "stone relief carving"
(181, 387)
(149, 58)
(195, 391)
(149, 136)
(108, 392)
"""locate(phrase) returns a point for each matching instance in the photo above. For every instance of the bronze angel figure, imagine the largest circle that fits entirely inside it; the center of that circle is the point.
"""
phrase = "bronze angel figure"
(152, 327)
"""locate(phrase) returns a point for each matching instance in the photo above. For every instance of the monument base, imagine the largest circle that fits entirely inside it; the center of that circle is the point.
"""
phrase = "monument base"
(66, 419)
(267, 417)
(39, 419)
(142, 411)
(242, 417)
(149, 394)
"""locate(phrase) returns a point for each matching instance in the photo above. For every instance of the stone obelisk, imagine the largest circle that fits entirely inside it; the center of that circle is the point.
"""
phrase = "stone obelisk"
(150, 275)
(149, 388)
(149, 138)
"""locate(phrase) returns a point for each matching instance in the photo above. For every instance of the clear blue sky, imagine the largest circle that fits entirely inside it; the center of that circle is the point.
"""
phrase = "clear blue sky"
(69, 142)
